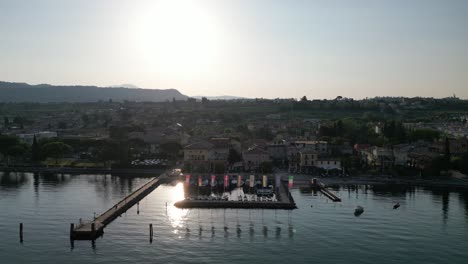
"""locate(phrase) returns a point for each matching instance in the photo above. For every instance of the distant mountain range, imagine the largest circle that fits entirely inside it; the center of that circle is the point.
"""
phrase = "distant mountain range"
(45, 93)
(126, 85)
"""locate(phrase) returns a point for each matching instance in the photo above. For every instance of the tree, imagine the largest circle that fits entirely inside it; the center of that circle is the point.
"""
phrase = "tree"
(108, 152)
(304, 99)
(423, 134)
(265, 133)
(56, 150)
(171, 149)
(447, 149)
(437, 165)
(339, 128)
(219, 168)
(35, 150)
(6, 142)
(17, 150)
(266, 167)
(234, 156)
(461, 163)
(204, 100)
(6, 121)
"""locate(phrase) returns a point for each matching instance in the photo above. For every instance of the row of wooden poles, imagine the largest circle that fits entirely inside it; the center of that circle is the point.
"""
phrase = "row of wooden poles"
(72, 227)
(265, 229)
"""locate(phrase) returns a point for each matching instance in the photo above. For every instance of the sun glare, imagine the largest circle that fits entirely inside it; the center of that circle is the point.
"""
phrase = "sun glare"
(177, 36)
(176, 215)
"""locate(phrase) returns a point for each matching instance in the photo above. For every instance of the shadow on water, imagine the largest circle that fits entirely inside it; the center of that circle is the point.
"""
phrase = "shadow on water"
(12, 180)
(442, 195)
(463, 197)
(392, 190)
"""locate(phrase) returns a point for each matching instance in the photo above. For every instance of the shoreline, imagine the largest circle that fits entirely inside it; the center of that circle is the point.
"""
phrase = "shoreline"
(70, 170)
(303, 181)
(300, 180)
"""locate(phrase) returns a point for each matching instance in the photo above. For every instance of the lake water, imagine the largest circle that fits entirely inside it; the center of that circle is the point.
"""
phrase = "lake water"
(431, 225)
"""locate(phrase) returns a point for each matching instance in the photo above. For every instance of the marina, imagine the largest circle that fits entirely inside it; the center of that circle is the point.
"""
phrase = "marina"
(283, 200)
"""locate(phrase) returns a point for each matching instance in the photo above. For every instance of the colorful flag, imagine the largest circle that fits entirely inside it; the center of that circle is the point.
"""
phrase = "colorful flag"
(290, 183)
(265, 181)
(199, 181)
(212, 180)
(187, 179)
(252, 181)
(226, 180)
(239, 181)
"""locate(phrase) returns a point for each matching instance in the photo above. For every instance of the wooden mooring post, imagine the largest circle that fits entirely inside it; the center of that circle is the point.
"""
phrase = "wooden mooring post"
(72, 227)
(151, 232)
(21, 232)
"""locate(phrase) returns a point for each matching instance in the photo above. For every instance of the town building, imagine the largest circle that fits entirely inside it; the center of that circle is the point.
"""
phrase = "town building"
(254, 157)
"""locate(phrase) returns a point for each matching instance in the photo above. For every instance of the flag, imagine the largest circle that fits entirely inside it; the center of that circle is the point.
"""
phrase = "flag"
(290, 183)
(187, 179)
(239, 181)
(226, 180)
(212, 180)
(252, 181)
(265, 181)
(199, 181)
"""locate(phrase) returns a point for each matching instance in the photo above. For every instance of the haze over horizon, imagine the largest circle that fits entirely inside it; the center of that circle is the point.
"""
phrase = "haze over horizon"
(261, 48)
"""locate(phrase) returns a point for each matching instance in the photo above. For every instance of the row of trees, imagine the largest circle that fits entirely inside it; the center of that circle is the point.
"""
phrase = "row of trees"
(359, 131)
(13, 150)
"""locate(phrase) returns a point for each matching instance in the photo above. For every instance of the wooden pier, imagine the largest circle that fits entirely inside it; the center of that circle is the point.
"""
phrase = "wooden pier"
(322, 188)
(92, 230)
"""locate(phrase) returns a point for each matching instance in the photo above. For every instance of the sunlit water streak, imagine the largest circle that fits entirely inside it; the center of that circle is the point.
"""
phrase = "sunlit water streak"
(430, 226)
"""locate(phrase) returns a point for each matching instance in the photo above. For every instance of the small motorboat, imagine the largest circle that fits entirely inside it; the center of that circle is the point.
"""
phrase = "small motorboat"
(359, 210)
(396, 206)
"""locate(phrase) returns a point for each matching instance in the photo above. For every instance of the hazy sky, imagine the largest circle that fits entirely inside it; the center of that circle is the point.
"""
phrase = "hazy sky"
(250, 48)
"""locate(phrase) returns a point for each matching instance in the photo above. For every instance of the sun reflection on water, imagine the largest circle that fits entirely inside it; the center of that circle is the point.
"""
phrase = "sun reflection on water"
(177, 216)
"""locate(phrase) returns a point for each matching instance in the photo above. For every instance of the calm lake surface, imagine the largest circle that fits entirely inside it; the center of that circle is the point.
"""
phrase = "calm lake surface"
(431, 225)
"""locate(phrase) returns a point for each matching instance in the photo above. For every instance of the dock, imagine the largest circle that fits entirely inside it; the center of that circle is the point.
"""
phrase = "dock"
(322, 188)
(92, 230)
(285, 201)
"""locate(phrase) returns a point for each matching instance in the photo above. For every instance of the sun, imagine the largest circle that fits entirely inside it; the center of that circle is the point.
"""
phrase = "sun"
(178, 36)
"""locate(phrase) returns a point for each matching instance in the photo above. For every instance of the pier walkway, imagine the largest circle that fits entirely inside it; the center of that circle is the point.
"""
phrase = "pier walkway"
(93, 229)
(322, 188)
